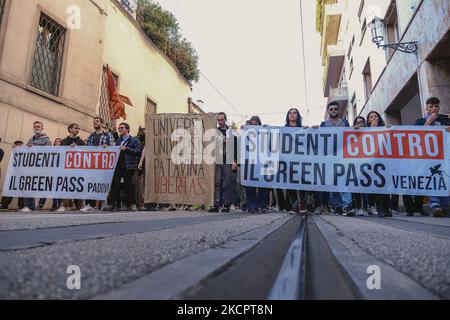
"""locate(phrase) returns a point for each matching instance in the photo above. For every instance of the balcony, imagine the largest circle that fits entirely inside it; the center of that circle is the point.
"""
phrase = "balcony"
(333, 68)
(332, 15)
(339, 94)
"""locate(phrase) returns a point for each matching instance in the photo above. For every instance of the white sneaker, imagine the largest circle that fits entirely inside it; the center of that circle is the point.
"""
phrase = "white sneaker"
(87, 208)
(233, 207)
(61, 209)
(318, 211)
(361, 212)
(373, 211)
(26, 209)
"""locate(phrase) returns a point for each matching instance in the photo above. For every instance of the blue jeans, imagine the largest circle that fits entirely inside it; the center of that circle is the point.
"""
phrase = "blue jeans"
(31, 203)
(254, 200)
(341, 200)
(439, 201)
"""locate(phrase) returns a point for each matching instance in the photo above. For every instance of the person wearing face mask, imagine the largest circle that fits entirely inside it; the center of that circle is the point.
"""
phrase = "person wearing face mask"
(39, 138)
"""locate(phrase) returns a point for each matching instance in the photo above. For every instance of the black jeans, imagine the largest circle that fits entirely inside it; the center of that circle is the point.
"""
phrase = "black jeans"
(129, 187)
(6, 201)
(413, 203)
(382, 202)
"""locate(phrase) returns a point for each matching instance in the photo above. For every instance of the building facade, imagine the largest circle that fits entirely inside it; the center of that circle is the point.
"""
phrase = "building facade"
(363, 78)
(53, 56)
(144, 73)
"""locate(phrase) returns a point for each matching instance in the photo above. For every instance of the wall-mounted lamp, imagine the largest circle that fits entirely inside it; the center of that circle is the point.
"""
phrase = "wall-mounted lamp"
(378, 29)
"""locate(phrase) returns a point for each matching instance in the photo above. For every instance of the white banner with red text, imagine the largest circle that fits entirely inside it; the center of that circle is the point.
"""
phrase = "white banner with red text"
(61, 172)
(398, 160)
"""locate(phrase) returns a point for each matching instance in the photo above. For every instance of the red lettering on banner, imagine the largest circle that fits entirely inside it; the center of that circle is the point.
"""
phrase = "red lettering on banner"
(90, 160)
(179, 185)
(394, 144)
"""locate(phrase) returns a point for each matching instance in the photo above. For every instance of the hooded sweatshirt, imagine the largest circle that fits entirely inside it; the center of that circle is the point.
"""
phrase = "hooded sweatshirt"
(40, 140)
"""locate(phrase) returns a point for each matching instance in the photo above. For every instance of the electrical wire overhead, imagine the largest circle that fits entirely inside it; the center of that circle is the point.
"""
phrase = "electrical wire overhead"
(222, 95)
(304, 60)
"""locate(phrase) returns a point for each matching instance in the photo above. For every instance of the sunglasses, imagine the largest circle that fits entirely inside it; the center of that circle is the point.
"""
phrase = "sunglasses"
(333, 109)
(122, 128)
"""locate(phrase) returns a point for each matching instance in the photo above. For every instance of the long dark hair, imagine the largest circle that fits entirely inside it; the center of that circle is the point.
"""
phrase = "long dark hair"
(359, 118)
(380, 121)
(257, 119)
(299, 118)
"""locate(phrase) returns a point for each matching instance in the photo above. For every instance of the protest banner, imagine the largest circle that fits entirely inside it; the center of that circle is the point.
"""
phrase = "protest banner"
(178, 165)
(396, 160)
(61, 172)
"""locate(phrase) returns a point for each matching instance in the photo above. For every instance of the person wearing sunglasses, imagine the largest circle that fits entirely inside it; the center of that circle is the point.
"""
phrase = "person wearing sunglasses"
(341, 202)
(360, 200)
(130, 150)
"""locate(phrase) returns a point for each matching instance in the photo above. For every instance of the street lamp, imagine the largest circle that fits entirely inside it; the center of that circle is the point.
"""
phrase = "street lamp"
(378, 29)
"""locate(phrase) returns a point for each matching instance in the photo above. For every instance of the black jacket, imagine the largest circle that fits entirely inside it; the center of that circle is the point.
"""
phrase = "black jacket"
(442, 120)
(69, 141)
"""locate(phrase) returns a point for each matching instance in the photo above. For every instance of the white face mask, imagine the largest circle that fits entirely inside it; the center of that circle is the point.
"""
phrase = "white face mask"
(37, 131)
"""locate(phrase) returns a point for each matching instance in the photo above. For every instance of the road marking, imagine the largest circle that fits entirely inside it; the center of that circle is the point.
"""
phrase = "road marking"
(289, 282)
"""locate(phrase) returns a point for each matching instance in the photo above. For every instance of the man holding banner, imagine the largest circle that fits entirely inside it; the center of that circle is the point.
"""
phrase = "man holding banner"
(59, 173)
(433, 118)
(130, 149)
(98, 138)
(38, 139)
(398, 160)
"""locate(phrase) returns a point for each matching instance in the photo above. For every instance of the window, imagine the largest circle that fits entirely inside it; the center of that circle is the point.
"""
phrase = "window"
(104, 99)
(150, 108)
(2, 10)
(351, 67)
(353, 103)
(351, 47)
(361, 7)
(343, 80)
(363, 30)
(48, 57)
(393, 31)
(367, 74)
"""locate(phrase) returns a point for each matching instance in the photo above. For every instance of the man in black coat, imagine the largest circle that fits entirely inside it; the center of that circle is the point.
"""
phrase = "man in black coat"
(433, 118)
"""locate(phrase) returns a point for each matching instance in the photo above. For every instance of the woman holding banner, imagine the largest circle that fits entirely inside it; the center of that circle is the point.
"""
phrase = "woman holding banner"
(360, 200)
(382, 201)
(291, 202)
(257, 198)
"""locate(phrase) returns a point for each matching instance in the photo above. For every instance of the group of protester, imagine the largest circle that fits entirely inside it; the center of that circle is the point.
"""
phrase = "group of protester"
(259, 200)
(128, 185)
(126, 170)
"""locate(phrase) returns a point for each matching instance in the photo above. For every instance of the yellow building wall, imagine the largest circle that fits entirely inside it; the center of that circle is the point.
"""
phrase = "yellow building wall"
(20, 103)
(143, 70)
